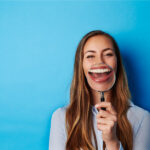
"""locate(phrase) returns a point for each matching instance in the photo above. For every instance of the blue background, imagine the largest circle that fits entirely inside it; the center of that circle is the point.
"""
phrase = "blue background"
(38, 41)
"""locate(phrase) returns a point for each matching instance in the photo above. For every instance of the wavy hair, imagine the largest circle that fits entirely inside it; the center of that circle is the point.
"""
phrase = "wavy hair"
(79, 121)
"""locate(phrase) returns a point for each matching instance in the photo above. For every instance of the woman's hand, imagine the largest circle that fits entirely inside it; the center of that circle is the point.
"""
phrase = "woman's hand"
(107, 122)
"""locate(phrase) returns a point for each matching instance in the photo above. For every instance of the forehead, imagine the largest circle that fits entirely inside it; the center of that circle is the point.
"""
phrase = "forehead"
(98, 43)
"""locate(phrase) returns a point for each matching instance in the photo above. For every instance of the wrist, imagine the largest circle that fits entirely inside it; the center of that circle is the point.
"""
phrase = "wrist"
(113, 145)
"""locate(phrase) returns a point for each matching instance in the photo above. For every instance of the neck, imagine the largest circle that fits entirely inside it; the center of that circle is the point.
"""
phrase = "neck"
(97, 95)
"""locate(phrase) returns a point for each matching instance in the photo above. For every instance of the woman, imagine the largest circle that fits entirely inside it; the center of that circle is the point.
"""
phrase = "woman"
(84, 124)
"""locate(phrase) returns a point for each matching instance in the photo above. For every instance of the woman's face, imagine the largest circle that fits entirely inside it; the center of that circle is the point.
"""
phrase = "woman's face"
(98, 56)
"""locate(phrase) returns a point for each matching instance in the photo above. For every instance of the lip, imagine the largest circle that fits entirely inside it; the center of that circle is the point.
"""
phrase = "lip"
(101, 79)
(101, 67)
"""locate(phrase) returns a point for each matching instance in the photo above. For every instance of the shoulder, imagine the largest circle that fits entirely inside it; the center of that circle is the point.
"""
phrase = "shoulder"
(58, 134)
(59, 111)
(59, 114)
(58, 121)
(138, 117)
(137, 113)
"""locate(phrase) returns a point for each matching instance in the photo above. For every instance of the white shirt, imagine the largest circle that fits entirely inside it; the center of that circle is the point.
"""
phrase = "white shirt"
(138, 117)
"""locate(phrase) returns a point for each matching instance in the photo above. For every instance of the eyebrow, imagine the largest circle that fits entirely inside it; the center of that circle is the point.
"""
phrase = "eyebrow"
(93, 51)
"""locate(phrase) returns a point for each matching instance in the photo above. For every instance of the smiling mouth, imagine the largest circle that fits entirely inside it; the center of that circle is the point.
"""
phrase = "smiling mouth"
(100, 75)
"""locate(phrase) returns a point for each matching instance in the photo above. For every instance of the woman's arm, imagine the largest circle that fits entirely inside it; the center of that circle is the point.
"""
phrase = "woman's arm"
(57, 131)
(142, 138)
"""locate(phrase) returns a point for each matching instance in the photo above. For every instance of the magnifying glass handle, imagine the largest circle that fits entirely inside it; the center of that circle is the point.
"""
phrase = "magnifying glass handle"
(102, 100)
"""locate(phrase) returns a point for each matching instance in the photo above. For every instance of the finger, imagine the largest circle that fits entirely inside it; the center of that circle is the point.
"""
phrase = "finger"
(102, 121)
(109, 125)
(106, 121)
(103, 128)
(105, 114)
(106, 105)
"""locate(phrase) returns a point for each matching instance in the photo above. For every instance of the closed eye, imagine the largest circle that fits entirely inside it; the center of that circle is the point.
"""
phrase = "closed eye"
(90, 56)
(109, 54)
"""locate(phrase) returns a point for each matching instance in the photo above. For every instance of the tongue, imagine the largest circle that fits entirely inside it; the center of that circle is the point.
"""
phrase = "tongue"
(99, 75)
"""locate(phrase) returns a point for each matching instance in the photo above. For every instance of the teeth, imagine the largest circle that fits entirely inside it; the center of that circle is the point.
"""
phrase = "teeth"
(99, 70)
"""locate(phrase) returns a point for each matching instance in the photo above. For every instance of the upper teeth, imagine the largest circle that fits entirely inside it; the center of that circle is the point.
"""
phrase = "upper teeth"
(99, 70)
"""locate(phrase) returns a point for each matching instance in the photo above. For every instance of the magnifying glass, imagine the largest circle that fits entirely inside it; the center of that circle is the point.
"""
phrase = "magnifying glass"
(103, 78)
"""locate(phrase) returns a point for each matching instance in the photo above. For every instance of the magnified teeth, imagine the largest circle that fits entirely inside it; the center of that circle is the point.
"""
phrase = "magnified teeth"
(99, 70)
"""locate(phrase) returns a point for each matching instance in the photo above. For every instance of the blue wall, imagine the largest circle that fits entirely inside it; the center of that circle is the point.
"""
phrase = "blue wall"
(38, 41)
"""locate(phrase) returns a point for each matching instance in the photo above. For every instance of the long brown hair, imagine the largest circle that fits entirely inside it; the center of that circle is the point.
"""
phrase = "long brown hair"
(79, 121)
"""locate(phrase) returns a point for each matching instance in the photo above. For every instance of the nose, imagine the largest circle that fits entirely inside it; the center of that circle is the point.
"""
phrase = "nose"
(99, 59)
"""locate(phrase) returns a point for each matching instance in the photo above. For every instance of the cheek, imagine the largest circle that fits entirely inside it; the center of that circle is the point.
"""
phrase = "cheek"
(85, 68)
(113, 63)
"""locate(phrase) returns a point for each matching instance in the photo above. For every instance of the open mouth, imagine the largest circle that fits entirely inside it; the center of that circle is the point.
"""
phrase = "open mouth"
(100, 74)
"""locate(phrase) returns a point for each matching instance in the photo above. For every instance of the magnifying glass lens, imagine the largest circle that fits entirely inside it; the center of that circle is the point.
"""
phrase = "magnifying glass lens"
(101, 77)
